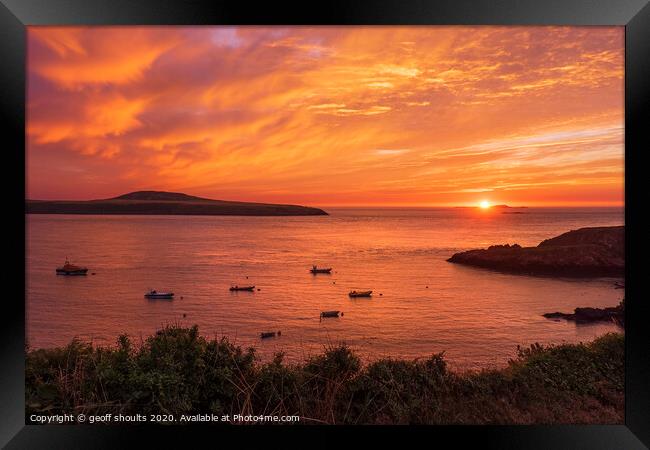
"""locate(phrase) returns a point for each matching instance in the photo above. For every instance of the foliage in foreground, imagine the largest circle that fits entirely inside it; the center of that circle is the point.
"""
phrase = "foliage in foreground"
(178, 371)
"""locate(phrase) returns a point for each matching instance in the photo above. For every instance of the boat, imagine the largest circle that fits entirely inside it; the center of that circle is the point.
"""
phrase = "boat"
(71, 269)
(155, 294)
(242, 288)
(269, 334)
(316, 270)
(360, 294)
(330, 313)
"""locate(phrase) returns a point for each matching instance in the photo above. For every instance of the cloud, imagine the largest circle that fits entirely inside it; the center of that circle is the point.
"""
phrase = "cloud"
(408, 72)
(227, 37)
(77, 57)
(381, 84)
(327, 106)
(390, 152)
(448, 112)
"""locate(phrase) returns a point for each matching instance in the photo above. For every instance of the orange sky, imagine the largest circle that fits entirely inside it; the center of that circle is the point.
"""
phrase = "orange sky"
(328, 115)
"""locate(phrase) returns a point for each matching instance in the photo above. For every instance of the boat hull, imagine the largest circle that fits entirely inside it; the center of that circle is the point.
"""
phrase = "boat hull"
(72, 272)
(159, 296)
(247, 288)
(360, 294)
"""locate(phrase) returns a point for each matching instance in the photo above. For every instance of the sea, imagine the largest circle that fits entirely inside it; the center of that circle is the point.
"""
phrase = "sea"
(420, 305)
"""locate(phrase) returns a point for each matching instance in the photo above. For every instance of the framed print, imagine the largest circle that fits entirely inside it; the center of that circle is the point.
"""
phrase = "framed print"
(415, 220)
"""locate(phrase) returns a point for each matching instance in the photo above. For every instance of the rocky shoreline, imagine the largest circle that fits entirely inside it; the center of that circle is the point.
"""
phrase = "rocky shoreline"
(586, 252)
(614, 314)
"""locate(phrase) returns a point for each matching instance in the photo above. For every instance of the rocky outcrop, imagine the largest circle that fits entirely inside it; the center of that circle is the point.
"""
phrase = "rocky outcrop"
(587, 252)
(588, 315)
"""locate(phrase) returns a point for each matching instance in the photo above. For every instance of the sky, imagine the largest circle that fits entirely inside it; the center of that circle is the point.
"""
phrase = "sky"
(394, 116)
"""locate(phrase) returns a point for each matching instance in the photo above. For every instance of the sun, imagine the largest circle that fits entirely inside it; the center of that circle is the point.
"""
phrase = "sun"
(484, 204)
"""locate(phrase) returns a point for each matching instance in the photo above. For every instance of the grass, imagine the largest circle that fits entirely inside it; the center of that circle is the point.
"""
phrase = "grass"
(177, 371)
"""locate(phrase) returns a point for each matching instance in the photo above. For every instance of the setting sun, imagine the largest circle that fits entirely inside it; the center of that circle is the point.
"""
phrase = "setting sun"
(484, 204)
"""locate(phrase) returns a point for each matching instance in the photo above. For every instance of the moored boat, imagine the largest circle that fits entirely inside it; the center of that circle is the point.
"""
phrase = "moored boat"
(330, 313)
(315, 270)
(269, 334)
(360, 293)
(71, 269)
(242, 288)
(155, 294)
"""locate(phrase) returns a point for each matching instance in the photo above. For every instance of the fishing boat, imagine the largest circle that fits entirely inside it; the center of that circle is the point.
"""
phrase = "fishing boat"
(242, 288)
(360, 294)
(269, 334)
(155, 294)
(71, 269)
(330, 313)
(316, 270)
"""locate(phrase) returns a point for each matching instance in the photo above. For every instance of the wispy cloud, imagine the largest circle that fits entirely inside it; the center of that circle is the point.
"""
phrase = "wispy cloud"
(390, 152)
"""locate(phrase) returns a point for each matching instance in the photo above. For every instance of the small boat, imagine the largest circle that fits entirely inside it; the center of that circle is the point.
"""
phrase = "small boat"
(269, 334)
(242, 288)
(155, 294)
(360, 294)
(316, 270)
(330, 313)
(71, 269)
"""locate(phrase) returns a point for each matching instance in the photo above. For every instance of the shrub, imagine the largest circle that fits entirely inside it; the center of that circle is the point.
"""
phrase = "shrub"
(178, 371)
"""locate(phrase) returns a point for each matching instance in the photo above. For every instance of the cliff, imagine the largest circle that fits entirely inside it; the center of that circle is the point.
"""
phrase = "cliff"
(587, 252)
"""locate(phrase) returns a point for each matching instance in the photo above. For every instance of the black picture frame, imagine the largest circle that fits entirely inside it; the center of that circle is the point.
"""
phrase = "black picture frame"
(15, 15)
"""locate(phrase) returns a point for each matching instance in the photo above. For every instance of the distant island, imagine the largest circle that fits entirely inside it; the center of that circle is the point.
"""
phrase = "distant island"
(586, 252)
(166, 203)
(505, 209)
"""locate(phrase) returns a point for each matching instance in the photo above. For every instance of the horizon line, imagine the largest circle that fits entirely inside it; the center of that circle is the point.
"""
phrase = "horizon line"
(389, 205)
(552, 205)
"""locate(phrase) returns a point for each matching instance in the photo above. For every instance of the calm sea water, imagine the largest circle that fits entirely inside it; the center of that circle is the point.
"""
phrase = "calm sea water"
(426, 304)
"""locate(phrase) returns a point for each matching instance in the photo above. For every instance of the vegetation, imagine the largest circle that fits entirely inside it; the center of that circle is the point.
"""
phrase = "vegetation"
(177, 371)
